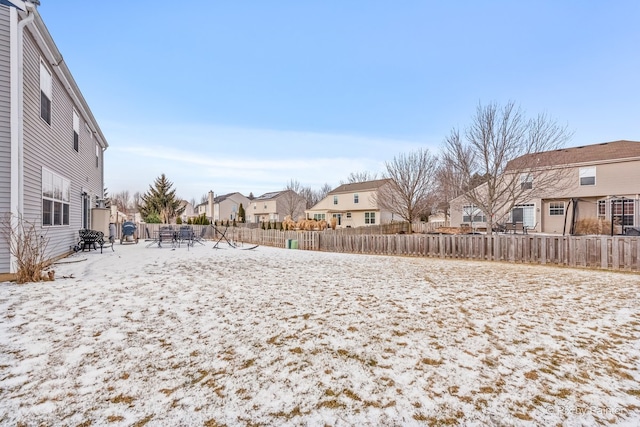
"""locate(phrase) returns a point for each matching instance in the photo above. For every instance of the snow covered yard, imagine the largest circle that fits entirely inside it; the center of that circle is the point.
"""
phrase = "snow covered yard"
(149, 336)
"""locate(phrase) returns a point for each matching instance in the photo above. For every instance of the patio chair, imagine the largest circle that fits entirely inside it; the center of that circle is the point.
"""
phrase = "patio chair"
(185, 234)
(167, 234)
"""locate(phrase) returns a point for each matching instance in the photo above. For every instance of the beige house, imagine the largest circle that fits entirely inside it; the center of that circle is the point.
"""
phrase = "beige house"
(188, 211)
(353, 205)
(275, 206)
(600, 181)
(227, 206)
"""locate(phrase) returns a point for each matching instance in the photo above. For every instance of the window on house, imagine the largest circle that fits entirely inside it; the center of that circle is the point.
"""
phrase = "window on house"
(335, 200)
(588, 176)
(348, 214)
(556, 208)
(46, 91)
(318, 216)
(623, 210)
(524, 213)
(55, 199)
(471, 213)
(369, 217)
(76, 130)
(356, 198)
(526, 181)
(97, 155)
(602, 209)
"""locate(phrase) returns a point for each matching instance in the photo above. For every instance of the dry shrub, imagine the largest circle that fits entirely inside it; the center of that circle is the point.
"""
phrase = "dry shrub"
(28, 247)
(333, 223)
(593, 226)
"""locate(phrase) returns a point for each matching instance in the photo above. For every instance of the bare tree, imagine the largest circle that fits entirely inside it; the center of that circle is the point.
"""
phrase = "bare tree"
(137, 201)
(122, 201)
(359, 177)
(450, 183)
(293, 202)
(322, 193)
(410, 189)
(498, 152)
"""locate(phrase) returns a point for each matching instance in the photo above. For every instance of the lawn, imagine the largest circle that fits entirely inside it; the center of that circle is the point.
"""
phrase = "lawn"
(199, 336)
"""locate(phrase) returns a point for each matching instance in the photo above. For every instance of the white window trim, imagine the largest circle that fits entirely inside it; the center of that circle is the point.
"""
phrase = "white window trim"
(556, 208)
(472, 211)
(46, 87)
(62, 198)
(76, 129)
(526, 178)
(587, 172)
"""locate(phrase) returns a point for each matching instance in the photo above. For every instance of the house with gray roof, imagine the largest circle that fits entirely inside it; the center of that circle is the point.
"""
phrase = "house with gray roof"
(275, 206)
(51, 146)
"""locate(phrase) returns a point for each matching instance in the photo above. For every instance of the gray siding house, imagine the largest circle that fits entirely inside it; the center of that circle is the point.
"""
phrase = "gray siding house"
(51, 147)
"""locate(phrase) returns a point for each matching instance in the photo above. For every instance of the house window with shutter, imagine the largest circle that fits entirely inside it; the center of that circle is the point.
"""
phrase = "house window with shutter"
(46, 93)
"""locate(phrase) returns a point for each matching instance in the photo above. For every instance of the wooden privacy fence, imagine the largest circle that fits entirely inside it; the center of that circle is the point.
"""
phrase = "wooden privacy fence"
(603, 252)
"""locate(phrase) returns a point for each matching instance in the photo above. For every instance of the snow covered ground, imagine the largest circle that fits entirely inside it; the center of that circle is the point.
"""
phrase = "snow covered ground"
(282, 337)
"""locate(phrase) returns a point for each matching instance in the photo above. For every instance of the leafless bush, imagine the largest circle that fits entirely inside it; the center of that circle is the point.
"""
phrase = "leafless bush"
(28, 247)
(593, 226)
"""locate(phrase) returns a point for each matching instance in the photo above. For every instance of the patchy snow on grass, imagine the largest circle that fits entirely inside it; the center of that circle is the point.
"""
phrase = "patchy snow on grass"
(198, 336)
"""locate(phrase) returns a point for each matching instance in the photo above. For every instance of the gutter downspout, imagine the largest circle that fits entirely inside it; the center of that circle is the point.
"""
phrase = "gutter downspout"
(20, 81)
(16, 71)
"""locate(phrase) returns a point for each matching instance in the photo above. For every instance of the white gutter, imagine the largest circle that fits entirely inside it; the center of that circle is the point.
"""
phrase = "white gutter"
(16, 30)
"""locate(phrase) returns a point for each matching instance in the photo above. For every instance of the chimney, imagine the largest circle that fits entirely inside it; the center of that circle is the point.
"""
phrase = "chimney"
(210, 207)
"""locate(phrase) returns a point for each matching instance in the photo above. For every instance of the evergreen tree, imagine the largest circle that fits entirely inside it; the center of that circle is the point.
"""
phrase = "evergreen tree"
(241, 214)
(162, 200)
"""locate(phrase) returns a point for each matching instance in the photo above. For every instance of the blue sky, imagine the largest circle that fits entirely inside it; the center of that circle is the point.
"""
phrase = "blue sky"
(247, 95)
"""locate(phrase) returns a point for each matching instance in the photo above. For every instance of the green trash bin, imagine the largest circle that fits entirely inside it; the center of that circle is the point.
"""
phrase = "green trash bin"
(294, 244)
(288, 244)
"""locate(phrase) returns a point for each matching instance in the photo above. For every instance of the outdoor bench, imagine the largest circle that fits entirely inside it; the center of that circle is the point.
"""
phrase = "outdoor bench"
(91, 239)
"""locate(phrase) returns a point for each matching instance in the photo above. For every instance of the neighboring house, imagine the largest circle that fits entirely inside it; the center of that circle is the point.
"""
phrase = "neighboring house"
(116, 216)
(51, 147)
(226, 207)
(600, 181)
(275, 206)
(353, 205)
(205, 208)
(188, 211)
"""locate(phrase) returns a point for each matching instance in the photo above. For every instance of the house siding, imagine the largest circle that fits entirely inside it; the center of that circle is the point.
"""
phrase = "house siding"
(366, 203)
(51, 146)
(617, 177)
(5, 128)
